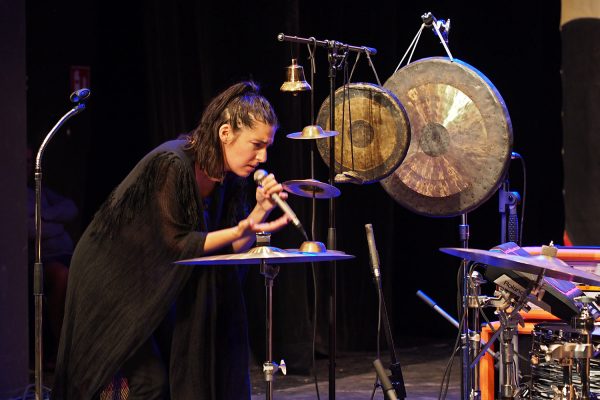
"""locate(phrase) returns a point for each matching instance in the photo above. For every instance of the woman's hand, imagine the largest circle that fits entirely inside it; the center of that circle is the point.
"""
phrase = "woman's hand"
(269, 186)
(248, 227)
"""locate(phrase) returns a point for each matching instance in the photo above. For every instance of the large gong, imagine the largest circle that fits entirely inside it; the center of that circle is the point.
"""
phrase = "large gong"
(461, 138)
(374, 131)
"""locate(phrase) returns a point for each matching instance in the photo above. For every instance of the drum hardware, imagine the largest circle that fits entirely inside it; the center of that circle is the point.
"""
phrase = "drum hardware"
(337, 53)
(570, 354)
(509, 304)
(265, 256)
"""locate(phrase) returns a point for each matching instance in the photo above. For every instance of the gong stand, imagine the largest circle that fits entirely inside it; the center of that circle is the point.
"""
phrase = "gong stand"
(337, 53)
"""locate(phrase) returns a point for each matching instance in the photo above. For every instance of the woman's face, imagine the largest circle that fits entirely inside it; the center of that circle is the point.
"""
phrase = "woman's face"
(245, 148)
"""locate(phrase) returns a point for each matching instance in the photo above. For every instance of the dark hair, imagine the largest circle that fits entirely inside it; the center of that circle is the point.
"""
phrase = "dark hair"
(239, 105)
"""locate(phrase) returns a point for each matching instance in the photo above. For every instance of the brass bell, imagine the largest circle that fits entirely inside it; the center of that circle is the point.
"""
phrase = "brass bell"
(295, 79)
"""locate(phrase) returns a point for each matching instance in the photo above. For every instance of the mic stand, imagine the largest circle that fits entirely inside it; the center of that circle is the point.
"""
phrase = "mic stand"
(336, 62)
(396, 378)
(38, 273)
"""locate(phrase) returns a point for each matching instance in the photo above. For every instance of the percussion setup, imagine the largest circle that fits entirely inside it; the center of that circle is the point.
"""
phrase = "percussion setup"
(438, 137)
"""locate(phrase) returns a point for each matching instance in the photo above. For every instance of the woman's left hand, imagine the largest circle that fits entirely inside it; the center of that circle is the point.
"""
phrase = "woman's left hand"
(269, 186)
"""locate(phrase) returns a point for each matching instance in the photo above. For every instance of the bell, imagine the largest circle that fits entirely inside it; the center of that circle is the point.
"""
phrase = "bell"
(295, 79)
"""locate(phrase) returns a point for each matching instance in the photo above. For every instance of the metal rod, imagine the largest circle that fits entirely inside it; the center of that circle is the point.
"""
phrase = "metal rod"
(269, 326)
(326, 43)
(331, 234)
(466, 380)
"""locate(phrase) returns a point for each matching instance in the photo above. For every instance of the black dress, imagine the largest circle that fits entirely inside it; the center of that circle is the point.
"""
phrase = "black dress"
(123, 283)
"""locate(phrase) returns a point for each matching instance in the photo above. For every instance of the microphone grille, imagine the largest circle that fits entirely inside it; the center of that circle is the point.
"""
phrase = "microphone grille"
(259, 175)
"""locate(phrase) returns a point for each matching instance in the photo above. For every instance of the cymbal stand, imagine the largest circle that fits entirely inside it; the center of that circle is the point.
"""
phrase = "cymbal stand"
(269, 271)
(337, 53)
(79, 97)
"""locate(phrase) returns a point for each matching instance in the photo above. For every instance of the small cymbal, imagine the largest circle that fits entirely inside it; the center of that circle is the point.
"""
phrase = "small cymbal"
(311, 188)
(312, 132)
(271, 255)
(551, 266)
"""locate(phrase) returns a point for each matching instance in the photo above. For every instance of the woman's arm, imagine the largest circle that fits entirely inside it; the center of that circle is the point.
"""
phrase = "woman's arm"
(242, 236)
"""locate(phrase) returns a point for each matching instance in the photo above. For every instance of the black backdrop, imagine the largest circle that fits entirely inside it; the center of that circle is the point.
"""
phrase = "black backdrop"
(154, 65)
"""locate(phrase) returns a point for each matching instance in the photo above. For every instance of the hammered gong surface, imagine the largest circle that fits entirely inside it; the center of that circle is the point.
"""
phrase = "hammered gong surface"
(374, 131)
(461, 138)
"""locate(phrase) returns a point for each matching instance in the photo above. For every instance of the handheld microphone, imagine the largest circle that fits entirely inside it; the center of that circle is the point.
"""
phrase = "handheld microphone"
(373, 255)
(80, 95)
(261, 174)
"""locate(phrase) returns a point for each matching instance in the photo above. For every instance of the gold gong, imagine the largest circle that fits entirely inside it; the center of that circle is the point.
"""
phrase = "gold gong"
(461, 138)
(374, 131)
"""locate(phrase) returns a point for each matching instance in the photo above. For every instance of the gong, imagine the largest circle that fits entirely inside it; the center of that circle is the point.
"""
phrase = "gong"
(374, 131)
(461, 138)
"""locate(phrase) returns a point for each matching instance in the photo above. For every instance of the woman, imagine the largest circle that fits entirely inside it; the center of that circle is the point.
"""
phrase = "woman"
(175, 332)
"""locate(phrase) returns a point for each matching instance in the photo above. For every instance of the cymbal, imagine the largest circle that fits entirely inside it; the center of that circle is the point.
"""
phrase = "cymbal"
(311, 188)
(375, 131)
(551, 266)
(312, 132)
(461, 138)
(271, 255)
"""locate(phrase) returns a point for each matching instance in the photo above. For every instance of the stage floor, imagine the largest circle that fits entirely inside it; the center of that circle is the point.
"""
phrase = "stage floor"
(422, 368)
(422, 365)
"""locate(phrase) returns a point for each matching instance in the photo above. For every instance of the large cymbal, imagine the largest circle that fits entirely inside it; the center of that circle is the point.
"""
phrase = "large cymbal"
(461, 138)
(272, 255)
(374, 131)
(551, 266)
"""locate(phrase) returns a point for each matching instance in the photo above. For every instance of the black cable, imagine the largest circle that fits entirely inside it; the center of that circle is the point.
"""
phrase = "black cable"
(376, 384)
(448, 370)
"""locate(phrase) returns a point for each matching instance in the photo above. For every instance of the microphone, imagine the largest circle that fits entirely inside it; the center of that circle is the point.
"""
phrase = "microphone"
(386, 384)
(80, 95)
(261, 174)
(373, 255)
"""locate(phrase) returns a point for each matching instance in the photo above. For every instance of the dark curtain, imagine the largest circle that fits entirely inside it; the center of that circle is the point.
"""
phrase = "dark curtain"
(581, 122)
(156, 64)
